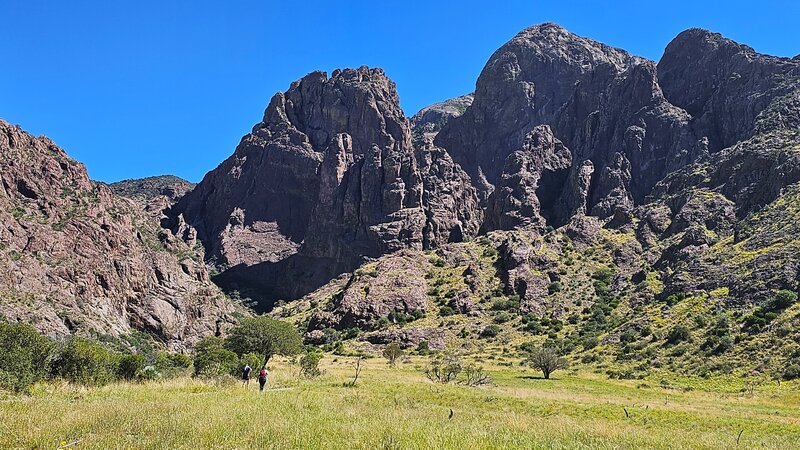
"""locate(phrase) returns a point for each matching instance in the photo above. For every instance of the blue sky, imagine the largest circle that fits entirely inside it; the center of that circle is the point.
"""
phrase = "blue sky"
(143, 88)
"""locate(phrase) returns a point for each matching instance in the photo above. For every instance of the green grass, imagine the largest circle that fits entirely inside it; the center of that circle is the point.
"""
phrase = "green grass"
(398, 408)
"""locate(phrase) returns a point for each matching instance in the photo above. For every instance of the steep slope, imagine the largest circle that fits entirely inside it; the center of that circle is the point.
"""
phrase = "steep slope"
(77, 259)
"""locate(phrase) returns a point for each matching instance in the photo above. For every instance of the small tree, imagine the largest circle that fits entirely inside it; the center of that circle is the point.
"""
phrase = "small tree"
(392, 353)
(444, 368)
(24, 356)
(547, 360)
(265, 336)
(309, 364)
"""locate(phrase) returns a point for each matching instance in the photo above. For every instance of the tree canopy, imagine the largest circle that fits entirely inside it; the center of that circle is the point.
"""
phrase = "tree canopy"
(265, 336)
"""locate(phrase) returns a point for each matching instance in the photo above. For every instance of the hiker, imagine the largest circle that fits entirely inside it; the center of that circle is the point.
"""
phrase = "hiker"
(262, 377)
(246, 375)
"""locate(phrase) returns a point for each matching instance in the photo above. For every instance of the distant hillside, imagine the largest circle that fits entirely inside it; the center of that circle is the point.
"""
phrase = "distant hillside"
(148, 188)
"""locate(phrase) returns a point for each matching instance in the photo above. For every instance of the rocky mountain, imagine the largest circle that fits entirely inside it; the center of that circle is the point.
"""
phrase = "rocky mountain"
(579, 185)
(627, 211)
(76, 258)
(329, 177)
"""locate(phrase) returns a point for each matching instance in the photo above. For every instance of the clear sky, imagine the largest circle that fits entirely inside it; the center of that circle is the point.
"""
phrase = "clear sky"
(143, 88)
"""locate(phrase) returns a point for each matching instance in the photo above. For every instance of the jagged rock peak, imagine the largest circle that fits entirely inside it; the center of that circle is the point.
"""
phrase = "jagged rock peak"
(362, 102)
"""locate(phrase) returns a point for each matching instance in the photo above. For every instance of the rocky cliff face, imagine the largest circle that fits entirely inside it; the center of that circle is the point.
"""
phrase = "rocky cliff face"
(559, 128)
(75, 258)
(328, 178)
(604, 104)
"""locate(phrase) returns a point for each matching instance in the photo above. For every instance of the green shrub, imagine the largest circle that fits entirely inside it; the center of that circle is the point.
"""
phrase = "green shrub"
(782, 300)
(490, 331)
(85, 361)
(24, 356)
(792, 372)
(678, 334)
(148, 373)
(128, 366)
(171, 364)
(309, 364)
(554, 287)
(446, 311)
(212, 359)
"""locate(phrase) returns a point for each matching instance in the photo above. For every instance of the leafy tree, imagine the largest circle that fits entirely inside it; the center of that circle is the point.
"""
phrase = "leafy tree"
(392, 353)
(253, 359)
(265, 336)
(24, 356)
(85, 361)
(547, 360)
(211, 358)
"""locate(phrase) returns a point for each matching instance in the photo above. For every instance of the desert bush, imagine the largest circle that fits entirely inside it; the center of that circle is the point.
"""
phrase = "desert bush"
(509, 304)
(85, 361)
(678, 334)
(443, 368)
(782, 300)
(474, 375)
(24, 356)
(490, 331)
(792, 372)
(446, 311)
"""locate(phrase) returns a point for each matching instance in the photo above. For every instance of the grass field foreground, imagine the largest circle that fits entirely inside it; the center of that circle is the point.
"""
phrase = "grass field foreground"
(399, 408)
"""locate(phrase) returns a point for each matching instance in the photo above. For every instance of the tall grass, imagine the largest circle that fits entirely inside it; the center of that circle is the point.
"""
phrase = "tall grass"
(398, 408)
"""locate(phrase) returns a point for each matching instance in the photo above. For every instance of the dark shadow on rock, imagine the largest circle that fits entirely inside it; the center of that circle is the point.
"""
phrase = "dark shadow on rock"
(269, 282)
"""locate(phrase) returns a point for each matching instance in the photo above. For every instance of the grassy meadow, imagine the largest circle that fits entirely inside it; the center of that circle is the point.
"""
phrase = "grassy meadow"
(395, 408)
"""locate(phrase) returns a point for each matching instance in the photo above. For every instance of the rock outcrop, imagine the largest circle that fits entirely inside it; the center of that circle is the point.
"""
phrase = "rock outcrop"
(75, 258)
